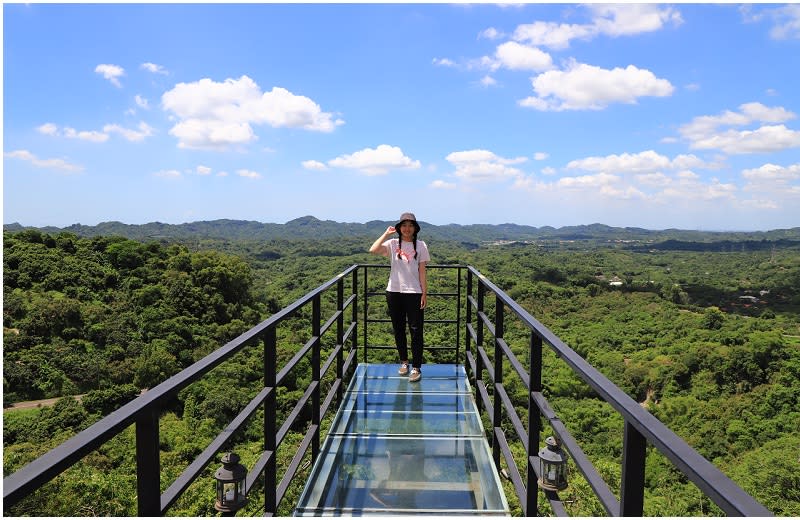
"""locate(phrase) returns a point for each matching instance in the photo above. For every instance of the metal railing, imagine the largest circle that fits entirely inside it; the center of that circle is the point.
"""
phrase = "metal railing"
(380, 292)
(145, 410)
(640, 426)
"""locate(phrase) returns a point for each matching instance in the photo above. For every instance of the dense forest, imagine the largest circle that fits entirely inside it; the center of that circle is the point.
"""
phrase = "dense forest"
(310, 227)
(703, 330)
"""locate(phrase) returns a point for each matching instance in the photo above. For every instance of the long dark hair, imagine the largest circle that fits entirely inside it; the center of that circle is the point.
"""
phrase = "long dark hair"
(400, 244)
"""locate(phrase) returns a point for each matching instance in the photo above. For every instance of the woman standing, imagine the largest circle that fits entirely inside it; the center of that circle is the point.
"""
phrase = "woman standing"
(407, 291)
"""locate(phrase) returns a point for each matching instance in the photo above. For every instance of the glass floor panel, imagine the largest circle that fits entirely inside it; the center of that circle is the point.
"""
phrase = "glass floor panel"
(408, 422)
(398, 383)
(408, 450)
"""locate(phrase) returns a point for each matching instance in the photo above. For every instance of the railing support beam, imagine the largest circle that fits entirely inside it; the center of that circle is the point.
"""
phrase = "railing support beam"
(148, 467)
(534, 424)
(497, 420)
(316, 360)
(270, 421)
(634, 452)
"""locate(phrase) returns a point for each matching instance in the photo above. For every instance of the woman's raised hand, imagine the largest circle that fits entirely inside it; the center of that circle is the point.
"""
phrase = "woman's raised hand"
(377, 246)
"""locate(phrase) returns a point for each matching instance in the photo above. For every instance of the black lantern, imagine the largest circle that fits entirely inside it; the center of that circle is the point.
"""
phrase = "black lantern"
(552, 466)
(231, 484)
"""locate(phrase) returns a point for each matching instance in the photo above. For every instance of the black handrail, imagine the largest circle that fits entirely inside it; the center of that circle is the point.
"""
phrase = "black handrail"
(640, 426)
(144, 412)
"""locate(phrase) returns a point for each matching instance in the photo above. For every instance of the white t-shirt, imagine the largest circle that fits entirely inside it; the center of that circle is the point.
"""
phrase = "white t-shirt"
(404, 276)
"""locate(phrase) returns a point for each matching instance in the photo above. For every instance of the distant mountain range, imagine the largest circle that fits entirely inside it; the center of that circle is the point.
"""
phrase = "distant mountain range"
(309, 227)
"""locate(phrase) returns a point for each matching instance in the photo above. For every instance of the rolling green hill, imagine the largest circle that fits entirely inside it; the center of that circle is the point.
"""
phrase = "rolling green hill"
(309, 227)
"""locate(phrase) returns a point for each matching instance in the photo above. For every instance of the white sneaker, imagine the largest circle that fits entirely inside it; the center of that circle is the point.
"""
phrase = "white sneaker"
(403, 369)
(415, 376)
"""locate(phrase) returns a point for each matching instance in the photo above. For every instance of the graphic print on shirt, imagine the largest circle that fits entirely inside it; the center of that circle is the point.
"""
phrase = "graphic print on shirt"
(405, 256)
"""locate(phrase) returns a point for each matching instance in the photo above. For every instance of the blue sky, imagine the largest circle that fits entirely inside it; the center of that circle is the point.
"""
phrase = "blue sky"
(656, 116)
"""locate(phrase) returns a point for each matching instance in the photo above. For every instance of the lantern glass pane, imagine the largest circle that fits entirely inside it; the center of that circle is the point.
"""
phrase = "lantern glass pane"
(230, 493)
(552, 472)
(220, 491)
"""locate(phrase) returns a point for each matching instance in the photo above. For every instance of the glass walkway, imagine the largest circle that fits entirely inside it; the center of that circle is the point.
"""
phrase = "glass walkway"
(401, 448)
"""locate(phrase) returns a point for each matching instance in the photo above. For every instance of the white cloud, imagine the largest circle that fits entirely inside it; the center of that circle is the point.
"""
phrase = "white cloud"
(540, 156)
(682, 190)
(483, 165)
(687, 176)
(481, 156)
(483, 63)
(444, 62)
(713, 132)
(761, 204)
(490, 34)
(657, 180)
(785, 19)
(56, 164)
(654, 179)
(595, 90)
(155, 69)
(629, 19)
(773, 173)
(624, 192)
(515, 56)
(551, 34)
(48, 129)
(203, 170)
(588, 181)
(375, 161)
(217, 115)
(144, 131)
(643, 162)
(314, 165)
(111, 72)
(534, 103)
(702, 126)
(84, 135)
(442, 185)
(587, 87)
(214, 134)
(597, 186)
(685, 161)
(527, 183)
(765, 139)
(607, 19)
(249, 174)
(691, 187)
(141, 102)
(488, 81)
(787, 23)
(280, 108)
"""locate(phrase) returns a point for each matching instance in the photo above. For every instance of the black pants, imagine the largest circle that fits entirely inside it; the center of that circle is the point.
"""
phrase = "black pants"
(405, 307)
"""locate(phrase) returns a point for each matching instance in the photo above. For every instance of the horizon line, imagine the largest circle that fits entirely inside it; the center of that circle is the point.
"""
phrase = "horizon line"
(389, 221)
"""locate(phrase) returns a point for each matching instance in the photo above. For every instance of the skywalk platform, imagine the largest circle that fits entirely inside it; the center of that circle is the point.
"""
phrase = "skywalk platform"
(400, 448)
